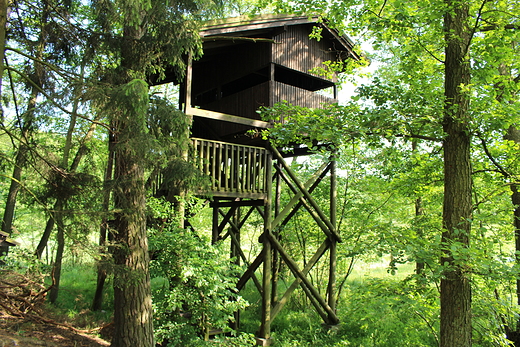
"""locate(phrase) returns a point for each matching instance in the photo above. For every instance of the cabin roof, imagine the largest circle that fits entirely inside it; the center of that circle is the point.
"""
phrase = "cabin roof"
(264, 25)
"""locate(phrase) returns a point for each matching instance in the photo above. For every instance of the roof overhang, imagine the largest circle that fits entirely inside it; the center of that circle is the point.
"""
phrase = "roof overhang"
(246, 26)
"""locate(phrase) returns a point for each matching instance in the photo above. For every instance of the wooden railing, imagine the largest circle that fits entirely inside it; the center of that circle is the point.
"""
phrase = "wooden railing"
(235, 170)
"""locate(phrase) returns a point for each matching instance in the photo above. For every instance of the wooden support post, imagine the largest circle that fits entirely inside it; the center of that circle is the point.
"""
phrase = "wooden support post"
(296, 202)
(297, 194)
(276, 260)
(264, 333)
(236, 251)
(250, 273)
(235, 232)
(321, 223)
(331, 289)
(225, 221)
(215, 227)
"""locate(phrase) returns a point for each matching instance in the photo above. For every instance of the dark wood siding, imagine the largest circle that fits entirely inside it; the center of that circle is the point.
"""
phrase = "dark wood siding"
(244, 103)
(298, 52)
(220, 66)
(299, 97)
(247, 102)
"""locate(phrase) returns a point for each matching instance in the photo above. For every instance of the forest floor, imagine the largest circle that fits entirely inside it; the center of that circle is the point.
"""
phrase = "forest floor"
(27, 320)
(15, 331)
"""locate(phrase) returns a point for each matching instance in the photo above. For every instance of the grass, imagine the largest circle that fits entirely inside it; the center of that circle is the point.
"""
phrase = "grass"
(373, 311)
(77, 288)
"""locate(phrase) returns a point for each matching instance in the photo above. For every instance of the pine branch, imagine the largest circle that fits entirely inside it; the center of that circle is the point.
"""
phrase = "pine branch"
(51, 99)
(52, 67)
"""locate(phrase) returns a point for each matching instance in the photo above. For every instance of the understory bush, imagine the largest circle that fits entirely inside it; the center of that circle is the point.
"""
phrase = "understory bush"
(193, 285)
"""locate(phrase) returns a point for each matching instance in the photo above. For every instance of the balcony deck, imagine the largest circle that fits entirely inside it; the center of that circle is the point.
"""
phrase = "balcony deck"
(236, 171)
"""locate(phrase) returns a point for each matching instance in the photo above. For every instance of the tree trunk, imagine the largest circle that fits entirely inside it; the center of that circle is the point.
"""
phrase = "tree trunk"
(132, 292)
(56, 269)
(14, 188)
(73, 167)
(513, 332)
(419, 212)
(26, 128)
(97, 302)
(455, 328)
(4, 5)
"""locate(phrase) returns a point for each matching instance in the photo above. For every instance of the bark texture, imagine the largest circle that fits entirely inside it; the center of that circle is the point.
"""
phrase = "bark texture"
(455, 329)
(132, 291)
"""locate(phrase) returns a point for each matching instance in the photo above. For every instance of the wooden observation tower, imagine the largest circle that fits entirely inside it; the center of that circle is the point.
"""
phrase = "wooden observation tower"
(248, 63)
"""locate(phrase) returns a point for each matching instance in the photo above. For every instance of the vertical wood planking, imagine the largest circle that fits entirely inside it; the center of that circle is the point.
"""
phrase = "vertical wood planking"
(231, 167)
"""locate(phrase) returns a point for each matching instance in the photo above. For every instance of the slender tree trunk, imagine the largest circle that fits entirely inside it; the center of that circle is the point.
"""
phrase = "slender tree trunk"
(419, 212)
(56, 269)
(97, 302)
(14, 188)
(82, 150)
(513, 332)
(26, 128)
(455, 329)
(60, 204)
(4, 5)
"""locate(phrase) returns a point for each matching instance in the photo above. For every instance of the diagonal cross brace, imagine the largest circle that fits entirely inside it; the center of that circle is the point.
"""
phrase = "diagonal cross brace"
(320, 304)
(299, 195)
(310, 264)
(307, 195)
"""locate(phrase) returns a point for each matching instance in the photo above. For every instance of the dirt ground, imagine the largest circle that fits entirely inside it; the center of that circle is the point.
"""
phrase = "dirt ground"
(26, 321)
(22, 332)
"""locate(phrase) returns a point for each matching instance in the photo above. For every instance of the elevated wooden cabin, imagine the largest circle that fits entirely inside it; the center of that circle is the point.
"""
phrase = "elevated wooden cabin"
(248, 63)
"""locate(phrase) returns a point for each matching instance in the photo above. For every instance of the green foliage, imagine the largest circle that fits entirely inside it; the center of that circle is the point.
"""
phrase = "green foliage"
(387, 312)
(296, 124)
(193, 283)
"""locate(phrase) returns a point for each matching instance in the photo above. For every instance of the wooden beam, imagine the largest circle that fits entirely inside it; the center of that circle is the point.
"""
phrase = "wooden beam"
(250, 273)
(226, 220)
(231, 203)
(312, 212)
(331, 287)
(310, 264)
(236, 38)
(244, 258)
(265, 325)
(300, 203)
(227, 118)
(310, 182)
(306, 284)
(307, 195)
(215, 227)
